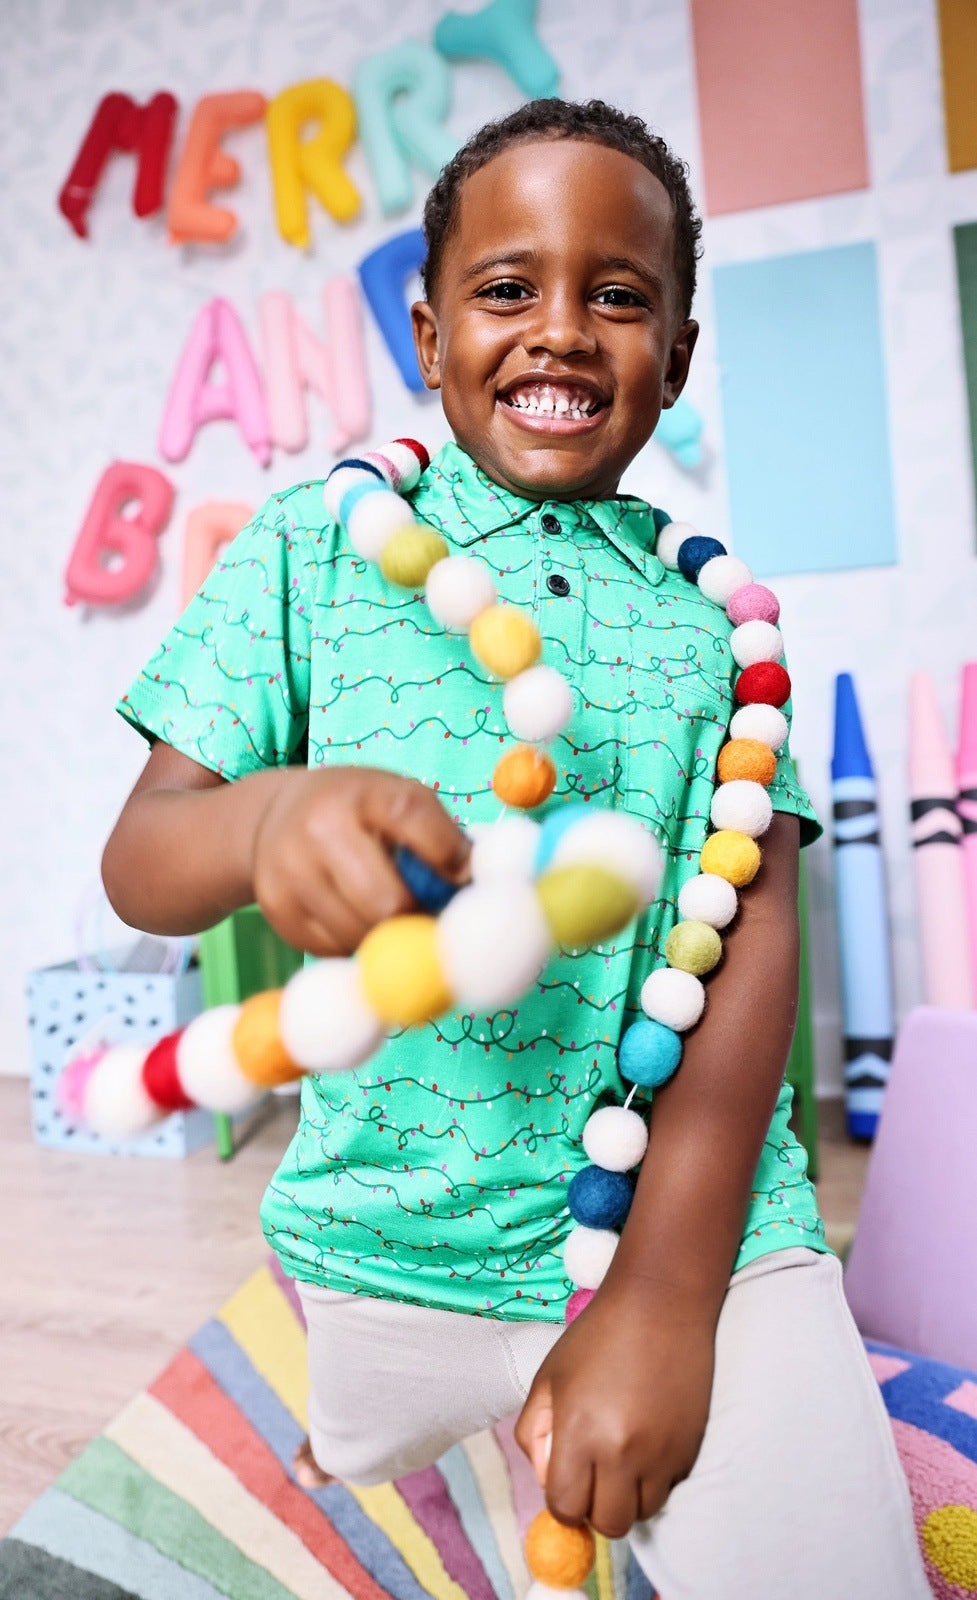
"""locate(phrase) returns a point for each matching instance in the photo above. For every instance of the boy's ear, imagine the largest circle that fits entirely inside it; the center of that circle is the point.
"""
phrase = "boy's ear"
(679, 361)
(424, 326)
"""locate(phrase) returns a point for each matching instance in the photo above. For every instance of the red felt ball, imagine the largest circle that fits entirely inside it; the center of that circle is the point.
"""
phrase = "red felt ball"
(160, 1078)
(419, 451)
(764, 683)
(578, 1302)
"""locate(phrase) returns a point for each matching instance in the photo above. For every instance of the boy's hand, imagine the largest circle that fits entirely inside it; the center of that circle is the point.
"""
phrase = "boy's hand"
(321, 853)
(624, 1395)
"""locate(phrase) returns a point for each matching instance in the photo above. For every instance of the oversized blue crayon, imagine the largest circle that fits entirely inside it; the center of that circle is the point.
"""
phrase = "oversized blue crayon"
(863, 925)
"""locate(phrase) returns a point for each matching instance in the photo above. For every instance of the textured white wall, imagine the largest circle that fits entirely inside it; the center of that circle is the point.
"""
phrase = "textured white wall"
(90, 332)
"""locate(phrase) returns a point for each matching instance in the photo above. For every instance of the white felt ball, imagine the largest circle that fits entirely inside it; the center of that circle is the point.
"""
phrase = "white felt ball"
(761, 722)
(615, 1139)
(376, 518)
(338, 482)
(743, 806)
(494, 942)
(673, 997)
(206, 1065)
(545, 1591)
(587, 1254)
(406, 462)
(618, 842)
(721, 576)
(756, 641)
(116, 1104)
(505, 849)
(324, 1020)
(537, 703)
(707, 898)
(457, 589)
(668, 541)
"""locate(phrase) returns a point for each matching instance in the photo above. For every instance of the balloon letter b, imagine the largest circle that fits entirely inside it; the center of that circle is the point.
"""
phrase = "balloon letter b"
(315, 163)
(205, 166)
(217, 335)
(107, 532)
(119, 124)
(402, 97)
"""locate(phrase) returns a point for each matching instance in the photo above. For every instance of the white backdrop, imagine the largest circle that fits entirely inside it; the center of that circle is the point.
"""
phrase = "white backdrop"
(90, 333)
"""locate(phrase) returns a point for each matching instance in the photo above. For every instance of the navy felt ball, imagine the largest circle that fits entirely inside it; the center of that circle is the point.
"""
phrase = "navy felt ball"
(598, 1198)
(694, 553)
(648, 1053)
(431, 892)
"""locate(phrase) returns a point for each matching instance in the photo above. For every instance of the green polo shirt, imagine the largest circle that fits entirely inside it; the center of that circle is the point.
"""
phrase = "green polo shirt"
(437, 1172)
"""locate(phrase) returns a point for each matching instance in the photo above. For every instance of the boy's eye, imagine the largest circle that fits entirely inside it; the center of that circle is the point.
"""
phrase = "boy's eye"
(503, 289)
(617, 296)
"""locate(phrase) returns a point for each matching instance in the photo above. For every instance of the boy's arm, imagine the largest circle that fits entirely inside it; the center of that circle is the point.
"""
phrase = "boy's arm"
(625, 1392)
(312, 848)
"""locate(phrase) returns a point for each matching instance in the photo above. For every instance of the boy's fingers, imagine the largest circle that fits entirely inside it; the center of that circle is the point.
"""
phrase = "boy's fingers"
(615, 1506)
(404, 812)
(370, 882)
(569, 1481)
(534, 1430)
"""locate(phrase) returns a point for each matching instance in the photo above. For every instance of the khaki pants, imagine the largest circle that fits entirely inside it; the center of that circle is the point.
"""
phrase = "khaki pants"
(797, 1493)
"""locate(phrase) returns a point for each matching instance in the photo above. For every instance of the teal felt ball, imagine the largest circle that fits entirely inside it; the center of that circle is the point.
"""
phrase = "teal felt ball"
(554, 827)
(649, 1053)
(598, 1198)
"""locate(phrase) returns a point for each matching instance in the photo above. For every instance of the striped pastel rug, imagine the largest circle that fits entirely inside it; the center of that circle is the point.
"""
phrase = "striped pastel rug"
(188, 1496)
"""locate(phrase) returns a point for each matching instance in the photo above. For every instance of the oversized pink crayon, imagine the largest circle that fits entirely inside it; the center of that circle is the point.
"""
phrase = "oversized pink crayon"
(940, 906)
(967, 802)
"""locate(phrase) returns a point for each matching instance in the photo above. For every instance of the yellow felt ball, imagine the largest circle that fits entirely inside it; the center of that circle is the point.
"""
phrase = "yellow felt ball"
(693, 947)
(557, 1555)
(505, 640)
(746, 758)
(525, 777)
(401, 973)
(257, 1042)
(731, 855)
(584, 903)
(950, 1541)
(408, 556)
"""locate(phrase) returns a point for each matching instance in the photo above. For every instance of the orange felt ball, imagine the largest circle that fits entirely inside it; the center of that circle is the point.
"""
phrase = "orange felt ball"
(559, 1556)
(524, 777)
(257, 1042)
(746, 758)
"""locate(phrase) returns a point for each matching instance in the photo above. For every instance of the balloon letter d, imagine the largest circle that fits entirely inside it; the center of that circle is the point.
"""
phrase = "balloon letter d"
(106, 533)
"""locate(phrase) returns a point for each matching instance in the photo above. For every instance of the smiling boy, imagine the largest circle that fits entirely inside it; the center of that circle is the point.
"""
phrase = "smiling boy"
(731, 1424)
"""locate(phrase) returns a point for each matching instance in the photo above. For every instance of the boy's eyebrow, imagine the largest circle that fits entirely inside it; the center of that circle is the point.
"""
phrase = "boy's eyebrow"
(526, 258)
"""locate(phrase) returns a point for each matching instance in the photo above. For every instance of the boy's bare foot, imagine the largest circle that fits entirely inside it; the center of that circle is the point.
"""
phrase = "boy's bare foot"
(307, 1469)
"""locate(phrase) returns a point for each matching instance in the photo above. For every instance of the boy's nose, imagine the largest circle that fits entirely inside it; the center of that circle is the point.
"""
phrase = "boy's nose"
(562, 327)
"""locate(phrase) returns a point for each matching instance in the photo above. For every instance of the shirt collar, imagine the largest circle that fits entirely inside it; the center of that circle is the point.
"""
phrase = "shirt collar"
(457, 497)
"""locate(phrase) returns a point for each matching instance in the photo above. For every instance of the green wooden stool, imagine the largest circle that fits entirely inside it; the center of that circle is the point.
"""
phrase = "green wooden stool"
(800, 1062)
(239, 957)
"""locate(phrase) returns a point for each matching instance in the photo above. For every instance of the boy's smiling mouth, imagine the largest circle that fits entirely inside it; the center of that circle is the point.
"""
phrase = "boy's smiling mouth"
(553, 405)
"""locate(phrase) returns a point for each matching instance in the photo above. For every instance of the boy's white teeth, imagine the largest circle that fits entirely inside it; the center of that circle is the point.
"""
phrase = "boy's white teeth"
(544, 399)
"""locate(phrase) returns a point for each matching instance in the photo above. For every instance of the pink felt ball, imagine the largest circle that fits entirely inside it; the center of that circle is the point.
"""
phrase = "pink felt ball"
(754, 602)
(578, 1302)
(70, 1093)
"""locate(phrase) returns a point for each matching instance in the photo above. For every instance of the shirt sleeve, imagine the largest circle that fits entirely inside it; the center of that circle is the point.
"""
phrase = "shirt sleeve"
(229, 685)
(788, 794)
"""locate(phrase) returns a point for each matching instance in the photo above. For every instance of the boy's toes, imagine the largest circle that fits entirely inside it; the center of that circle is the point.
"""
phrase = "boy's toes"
(307, 1469)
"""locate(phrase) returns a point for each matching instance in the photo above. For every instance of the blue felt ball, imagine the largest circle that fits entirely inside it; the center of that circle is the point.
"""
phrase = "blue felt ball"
(649, 1053)
(598, 1198)
(695, 552)
(361, 465)
(554, 827)
(431, 891)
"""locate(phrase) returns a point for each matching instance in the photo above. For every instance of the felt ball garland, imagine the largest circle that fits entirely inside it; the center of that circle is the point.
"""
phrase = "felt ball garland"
(578, 877)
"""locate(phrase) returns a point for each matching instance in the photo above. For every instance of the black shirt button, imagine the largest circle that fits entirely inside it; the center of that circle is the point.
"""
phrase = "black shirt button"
(549, 523)
(556, 583)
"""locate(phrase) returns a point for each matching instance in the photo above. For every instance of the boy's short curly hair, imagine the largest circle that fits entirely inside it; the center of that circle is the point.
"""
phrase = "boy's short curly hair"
(566, 119)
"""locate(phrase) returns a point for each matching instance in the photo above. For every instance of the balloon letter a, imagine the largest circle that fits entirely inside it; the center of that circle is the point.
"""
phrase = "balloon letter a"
(107, 532)
(119, 124)
(217, 335)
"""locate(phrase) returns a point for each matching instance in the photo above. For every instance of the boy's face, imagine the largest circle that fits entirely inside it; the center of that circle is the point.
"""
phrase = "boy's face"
(556, 334)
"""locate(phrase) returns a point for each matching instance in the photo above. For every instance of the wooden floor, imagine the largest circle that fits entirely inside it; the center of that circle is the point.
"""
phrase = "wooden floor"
(109, 1264)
